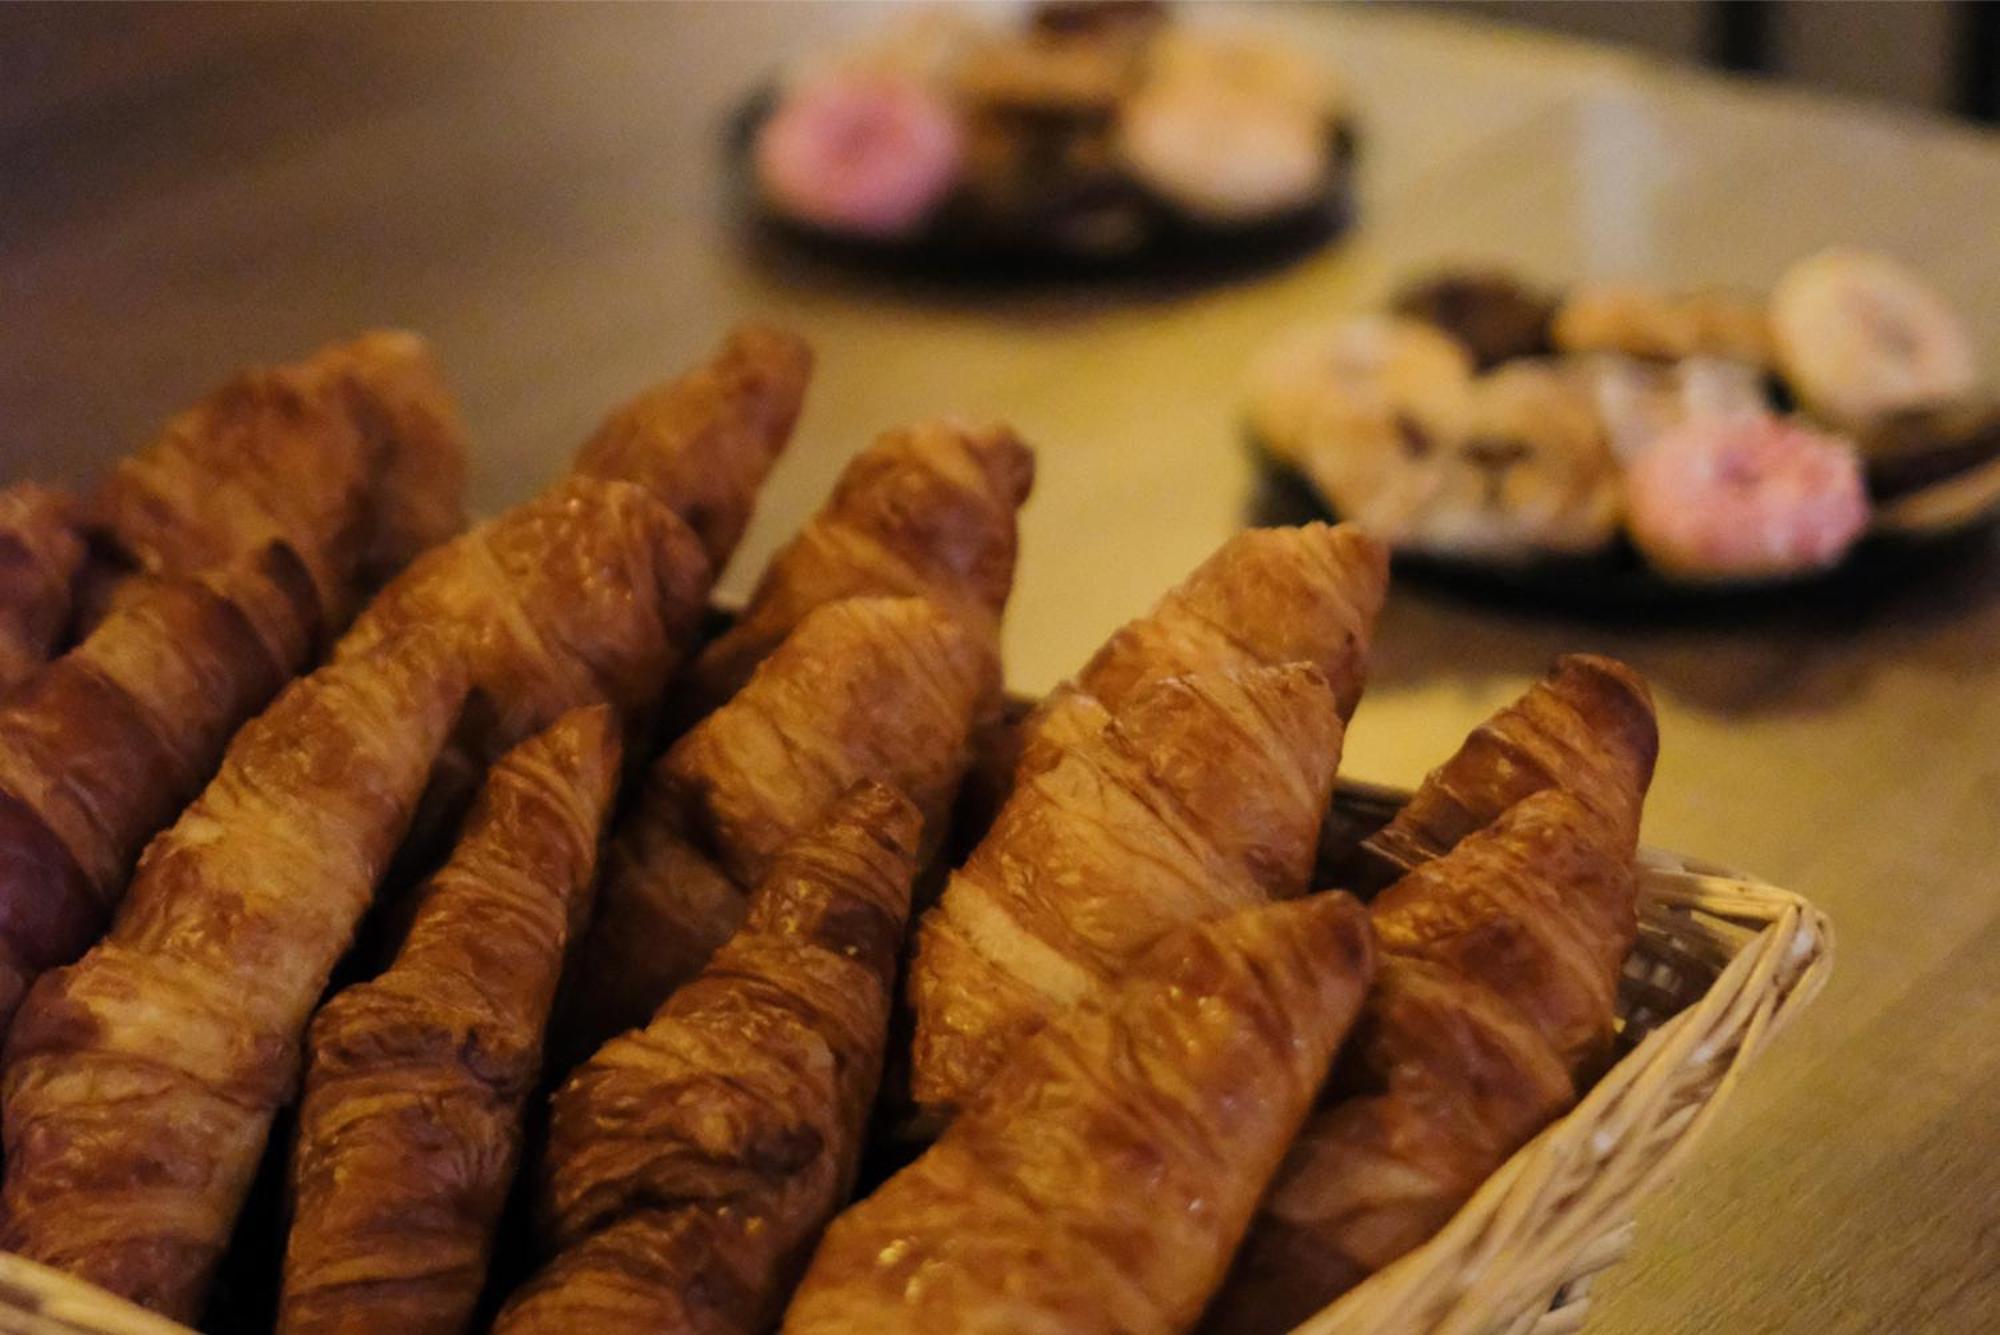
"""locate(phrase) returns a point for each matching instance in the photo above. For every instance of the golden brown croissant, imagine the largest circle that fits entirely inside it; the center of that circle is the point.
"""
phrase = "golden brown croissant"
(410, 1130)
(865, 688)
(692, 1163)
(1267, 596)
(141, 1081)
(352, 457)
(704, 441)
(41, 550)
(593, 590)
(1587, 727)
(102, 747)
(1202, 795)
(927, 510)
(398, 396)
(590, 592)
(1264, 598)
(1099, 1183)
(1500, 965)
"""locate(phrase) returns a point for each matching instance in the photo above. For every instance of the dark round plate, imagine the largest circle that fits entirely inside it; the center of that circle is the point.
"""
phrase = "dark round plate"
(1618, 582)
(1175, 245)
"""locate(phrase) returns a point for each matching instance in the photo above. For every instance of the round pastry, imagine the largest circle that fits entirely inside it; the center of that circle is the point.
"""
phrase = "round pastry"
(1642, 321)
(1495, 316)
(872, 153)
(1226, 129)
(927, 44)
(1360, 375)
(1245, 66)
(1527, 474)
(1639, 401)
(1859, 337)
(1745, 497)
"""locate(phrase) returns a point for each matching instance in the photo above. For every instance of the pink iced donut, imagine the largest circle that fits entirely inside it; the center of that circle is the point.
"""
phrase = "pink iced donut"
(869, 153)
(1744, 496)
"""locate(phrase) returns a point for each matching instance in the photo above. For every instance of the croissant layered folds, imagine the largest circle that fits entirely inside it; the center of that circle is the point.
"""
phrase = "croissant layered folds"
(354, 458)
(41, 550)
(1267, 596)
(704, 441)
(588, 593)
(1500, 968)
(100, 749)
(1587, 727)
(1102, 1178)
(592, 591)
(1200, 796)
(928, 510)
(864, 688)
(141, 1081)
(692, 1163)
(410, 1129)
(399, 399)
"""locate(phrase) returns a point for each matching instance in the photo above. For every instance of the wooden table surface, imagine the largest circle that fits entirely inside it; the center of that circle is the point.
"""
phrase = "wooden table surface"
(537, 190)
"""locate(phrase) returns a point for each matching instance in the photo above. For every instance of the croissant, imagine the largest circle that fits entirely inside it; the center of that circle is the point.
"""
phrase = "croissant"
(593, 590)
(1201, 796)
(1267, 596)
(1587, 727)
(587, 593)
(411, 1125)
(103, 746)
(927, 510)
(1264, 598)
(41, 550)
(865, 688)
(353, 458)
(141, 1081)
(1500, 966)
(692, 1163)
(1102, 1179)
(703, 442)
(399, 399)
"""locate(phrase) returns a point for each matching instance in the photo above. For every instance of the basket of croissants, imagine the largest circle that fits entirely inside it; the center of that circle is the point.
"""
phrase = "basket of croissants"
(417, 928)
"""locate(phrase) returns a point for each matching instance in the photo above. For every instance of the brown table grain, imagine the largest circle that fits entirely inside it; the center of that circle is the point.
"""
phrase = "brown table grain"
(182, 191)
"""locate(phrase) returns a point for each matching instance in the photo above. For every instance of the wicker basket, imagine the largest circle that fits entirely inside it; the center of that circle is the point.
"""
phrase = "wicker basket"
(1723, 962)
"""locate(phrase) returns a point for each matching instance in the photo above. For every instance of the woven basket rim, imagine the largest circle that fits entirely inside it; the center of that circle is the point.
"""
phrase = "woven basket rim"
(1520, 1254)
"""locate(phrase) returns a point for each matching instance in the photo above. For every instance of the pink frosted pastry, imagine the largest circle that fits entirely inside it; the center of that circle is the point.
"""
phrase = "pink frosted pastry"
(871, 153)
(1745, 496)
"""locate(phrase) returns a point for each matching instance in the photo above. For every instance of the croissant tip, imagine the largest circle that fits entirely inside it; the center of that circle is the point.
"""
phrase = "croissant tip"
(759, 341)
(1600, 665)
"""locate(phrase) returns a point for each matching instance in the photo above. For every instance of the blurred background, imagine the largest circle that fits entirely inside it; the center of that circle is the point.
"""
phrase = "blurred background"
(1921, 53)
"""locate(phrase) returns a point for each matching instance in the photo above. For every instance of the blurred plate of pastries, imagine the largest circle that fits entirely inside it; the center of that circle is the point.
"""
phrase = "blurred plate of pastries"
(1626, 444)
(1070, 139)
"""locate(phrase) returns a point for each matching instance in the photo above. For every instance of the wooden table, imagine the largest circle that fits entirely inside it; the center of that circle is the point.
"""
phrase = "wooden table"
(537, 190)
